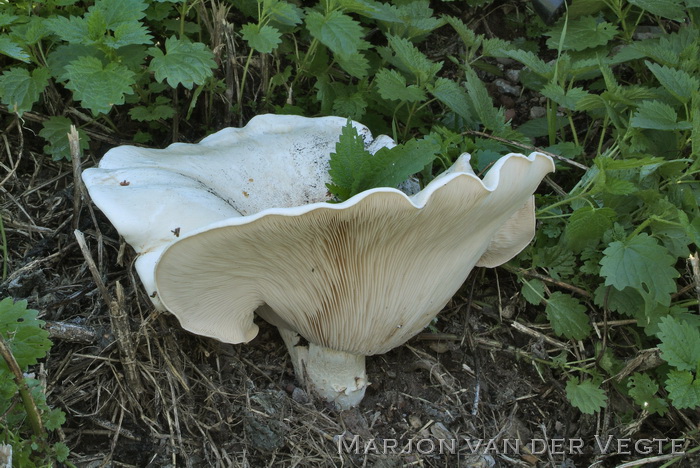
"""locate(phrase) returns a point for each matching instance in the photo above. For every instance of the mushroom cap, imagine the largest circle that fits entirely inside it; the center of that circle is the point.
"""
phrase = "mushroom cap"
(153, 196)
(361, 276)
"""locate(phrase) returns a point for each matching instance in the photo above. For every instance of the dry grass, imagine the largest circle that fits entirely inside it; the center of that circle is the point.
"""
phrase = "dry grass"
(140, 391)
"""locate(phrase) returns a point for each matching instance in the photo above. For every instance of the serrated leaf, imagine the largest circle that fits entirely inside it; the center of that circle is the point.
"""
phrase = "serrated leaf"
(55, 132)
(263, 39)
(392, 85)
(352, 106)
(671, 9)
(467, 36)
(567, 316)
(453, 96)
(353, 169)
(587, 396)
(568, 99)
(99, 87)
(12, 49)
(642, 389)
(184, 62)
(640, 263)
(533, 291)
(54, 419)
(415, 19)
(582, 33)
(73, 29)
(680, 344)
(586, 226)
(22, 330)
(408, 58)
(128, 34)
(7, 19)
(657, 115)
(677, 82)
(683, 389)
(151, 113)
(283, 13)
(20, 89)
(64, 54)
(356, 64)
(490, 117)
(337, 31)
(531, 61)
(118, 12)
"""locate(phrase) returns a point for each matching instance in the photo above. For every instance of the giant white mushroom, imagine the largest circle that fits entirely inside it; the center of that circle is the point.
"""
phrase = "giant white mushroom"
(239, 223)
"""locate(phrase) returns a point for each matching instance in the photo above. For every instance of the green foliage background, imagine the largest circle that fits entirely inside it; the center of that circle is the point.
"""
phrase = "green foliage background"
(616, 232)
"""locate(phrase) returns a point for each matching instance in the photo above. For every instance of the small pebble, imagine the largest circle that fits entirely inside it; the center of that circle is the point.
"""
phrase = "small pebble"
(513, 75)
(300, 396)
(504, 87)
(537, 112)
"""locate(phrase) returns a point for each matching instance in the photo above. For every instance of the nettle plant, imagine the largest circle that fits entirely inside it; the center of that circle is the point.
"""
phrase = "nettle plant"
(104, 56)
(622, 234)
(25, 417)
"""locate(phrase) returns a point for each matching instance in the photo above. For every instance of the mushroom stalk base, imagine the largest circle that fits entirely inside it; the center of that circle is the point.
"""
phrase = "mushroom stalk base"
(335, 376)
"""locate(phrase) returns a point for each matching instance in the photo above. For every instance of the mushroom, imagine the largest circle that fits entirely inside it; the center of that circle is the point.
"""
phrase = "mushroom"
(340, 281)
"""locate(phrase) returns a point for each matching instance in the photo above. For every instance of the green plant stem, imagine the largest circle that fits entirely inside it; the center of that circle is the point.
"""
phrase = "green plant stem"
(30, 407)
(245, 75)
(183, 14)
(310, 52)
(559, 203)
(3, 249)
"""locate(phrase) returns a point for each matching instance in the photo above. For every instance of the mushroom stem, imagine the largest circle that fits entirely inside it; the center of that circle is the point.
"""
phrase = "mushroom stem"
(333, 375)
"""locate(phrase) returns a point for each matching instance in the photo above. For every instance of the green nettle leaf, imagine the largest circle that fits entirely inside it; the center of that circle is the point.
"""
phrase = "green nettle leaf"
(587, 225)
(640, 263)
(337, 31)
(73, 29)
(680, 344)
(392, 85)
(568, 99)
(263, 39)
(283, 13)
(683, 389)
(410, 59)
(118, 12)
(678, 82)
(20, 89)
(533, 291)
(671, 9)
(6, 19)
(12, 49)
(582, 33)
(567, 316)
(657, 115)
(22, 330)
(352, 106)
(642, 389)
(184, 62)
(453, 96)
(151, 113)
(353, 169)
(55, 132)
(99, 87)
(356, 64)
(587, 396)
(129, 34)
(490, 117)
(531, 61)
